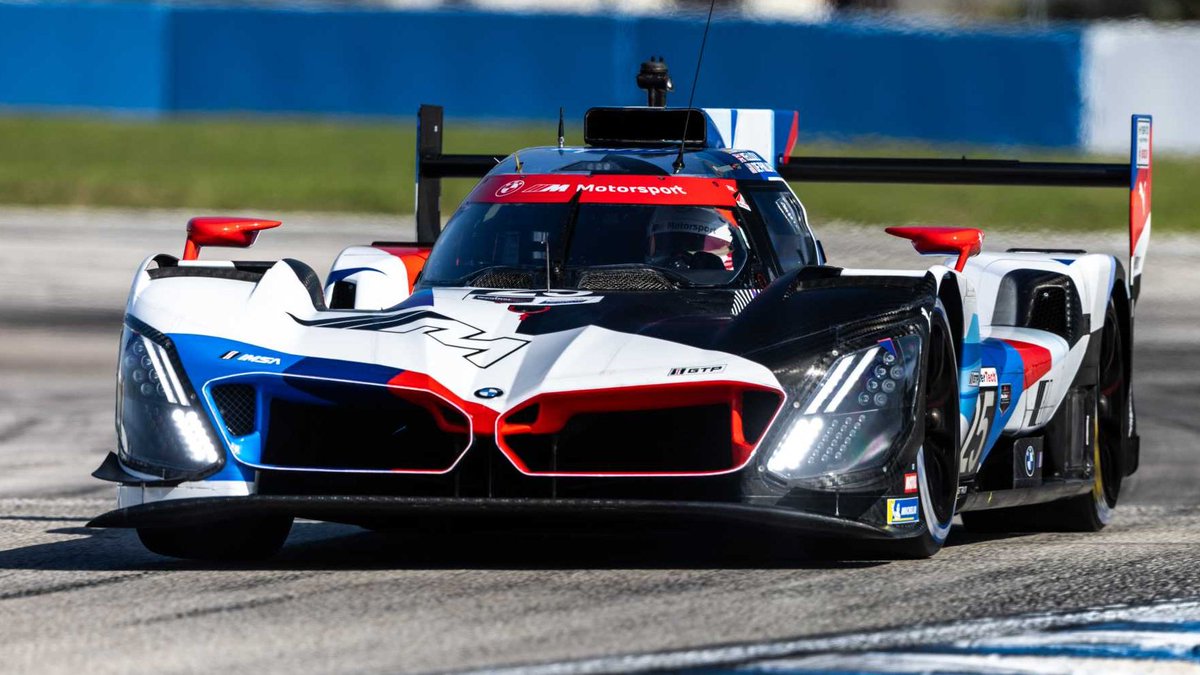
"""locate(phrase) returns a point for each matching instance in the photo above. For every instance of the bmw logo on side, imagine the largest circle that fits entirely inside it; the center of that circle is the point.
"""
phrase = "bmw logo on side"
(489, 392)
(1030, 461)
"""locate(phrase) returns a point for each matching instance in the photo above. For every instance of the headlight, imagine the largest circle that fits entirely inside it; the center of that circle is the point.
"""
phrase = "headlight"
(861, 406)
(160, 428)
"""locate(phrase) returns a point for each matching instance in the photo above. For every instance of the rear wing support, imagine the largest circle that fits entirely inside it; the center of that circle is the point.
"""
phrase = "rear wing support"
(433, 165)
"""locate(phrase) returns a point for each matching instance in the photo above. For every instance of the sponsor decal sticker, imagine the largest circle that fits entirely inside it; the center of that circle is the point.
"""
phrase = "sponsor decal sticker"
(910, 483)
(988, 378)
(607, 189)
(632, 189)
(1005, 397)
(903, 510)
(696, 370)
(1143, 144)
(973, 379)
(746, 156)
(489, 392)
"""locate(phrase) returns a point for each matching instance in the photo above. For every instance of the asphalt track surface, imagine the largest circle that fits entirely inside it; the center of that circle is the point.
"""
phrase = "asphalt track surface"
(341, 599)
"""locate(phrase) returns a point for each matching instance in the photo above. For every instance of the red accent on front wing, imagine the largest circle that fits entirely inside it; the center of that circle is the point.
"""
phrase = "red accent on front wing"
(556, 408)
(1036, 359)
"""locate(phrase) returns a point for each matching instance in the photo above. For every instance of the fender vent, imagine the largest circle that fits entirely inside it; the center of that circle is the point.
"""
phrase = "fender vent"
(237, 406)
(1040, 299)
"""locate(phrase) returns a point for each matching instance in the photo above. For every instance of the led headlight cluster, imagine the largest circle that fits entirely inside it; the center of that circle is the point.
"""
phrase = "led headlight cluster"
(854, 414)
(160, 429)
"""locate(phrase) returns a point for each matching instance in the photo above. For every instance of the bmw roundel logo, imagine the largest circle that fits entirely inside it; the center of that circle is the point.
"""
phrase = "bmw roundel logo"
(1030, 461)
(510, 187)
(489, 392)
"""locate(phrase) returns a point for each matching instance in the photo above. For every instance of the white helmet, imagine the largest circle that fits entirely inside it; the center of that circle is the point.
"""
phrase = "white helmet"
(678, 230)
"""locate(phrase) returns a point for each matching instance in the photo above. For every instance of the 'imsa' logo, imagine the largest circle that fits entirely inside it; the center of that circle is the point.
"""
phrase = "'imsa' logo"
(251, 358)
(906, 510)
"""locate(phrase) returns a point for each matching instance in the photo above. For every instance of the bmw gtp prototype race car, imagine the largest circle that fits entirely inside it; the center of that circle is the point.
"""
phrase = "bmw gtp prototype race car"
(645, 328)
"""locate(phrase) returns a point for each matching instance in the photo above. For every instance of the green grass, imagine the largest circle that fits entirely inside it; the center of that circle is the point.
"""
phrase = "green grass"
(262, 165)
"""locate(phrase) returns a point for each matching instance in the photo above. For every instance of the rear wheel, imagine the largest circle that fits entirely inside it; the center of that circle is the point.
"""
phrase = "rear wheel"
(1110, 427)
(253, 539)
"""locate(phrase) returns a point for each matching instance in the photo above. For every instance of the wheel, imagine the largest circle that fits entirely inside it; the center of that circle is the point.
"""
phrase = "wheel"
(1110, 427)
(241, 540)
(937, 458)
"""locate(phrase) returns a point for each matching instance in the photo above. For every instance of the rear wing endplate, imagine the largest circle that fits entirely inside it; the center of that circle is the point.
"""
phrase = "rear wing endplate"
(433, 165)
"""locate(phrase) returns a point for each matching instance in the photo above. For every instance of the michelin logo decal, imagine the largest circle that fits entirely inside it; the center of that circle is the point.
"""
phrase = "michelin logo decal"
(901, 511)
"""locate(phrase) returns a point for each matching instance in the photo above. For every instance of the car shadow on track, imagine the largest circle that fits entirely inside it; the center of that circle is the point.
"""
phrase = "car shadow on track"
(326, 546)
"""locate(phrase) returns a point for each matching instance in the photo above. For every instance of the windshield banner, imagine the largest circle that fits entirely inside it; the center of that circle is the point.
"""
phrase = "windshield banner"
(607, 189)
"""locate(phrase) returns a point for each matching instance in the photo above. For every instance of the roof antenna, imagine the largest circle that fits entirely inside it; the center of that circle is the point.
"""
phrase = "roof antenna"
(678, 164)
(561, 136)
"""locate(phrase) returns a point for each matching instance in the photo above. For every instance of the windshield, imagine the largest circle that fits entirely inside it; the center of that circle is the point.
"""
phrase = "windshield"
(784, 219)
(524, 245)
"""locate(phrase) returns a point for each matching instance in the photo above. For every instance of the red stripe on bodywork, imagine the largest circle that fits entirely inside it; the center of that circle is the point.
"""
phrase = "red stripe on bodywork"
(1035, 358)
(605, 189)
(557, 408)
(791, 140)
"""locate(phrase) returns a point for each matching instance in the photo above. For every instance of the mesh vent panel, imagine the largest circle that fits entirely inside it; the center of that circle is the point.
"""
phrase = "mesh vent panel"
(624, 280)
(237, 406)
(503, 279)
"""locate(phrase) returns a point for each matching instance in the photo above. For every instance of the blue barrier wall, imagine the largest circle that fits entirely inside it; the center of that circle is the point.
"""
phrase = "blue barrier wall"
(847, 79)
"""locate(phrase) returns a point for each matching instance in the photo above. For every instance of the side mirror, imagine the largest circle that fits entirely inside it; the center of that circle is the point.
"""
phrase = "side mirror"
(961, 241)
(223, 231)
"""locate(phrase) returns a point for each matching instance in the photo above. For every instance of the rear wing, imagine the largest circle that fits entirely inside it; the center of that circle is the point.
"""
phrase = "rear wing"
(433, 165)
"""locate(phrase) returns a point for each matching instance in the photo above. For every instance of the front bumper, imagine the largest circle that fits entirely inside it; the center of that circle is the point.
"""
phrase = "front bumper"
(401, 510)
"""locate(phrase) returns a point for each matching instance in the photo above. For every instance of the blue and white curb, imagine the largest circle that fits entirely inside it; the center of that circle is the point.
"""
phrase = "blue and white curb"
(1147, 639)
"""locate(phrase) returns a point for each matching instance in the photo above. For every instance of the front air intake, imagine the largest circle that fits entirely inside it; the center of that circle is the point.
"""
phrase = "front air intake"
(353, 427)
(704, 428)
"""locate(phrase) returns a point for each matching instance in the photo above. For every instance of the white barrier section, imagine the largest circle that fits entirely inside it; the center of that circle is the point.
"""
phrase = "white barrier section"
(1136, 67)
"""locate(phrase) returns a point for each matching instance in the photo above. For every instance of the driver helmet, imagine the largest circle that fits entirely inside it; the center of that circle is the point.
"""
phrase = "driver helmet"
(688, 230)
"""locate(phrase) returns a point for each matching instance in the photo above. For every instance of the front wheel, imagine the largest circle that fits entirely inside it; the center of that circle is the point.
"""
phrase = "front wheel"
(937, 458)
(252, 539)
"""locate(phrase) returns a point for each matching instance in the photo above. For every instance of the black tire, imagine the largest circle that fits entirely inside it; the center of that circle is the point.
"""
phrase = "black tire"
(255, 539)
(1089, 512)
(938, 456)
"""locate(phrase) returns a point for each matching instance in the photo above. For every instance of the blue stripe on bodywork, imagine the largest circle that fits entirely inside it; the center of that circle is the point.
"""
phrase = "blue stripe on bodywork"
(1098, 650)
(204, 367)
(338, 275)
(1010, 368)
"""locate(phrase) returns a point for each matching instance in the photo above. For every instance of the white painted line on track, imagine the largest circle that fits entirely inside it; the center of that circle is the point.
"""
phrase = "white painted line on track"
(940, 634)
